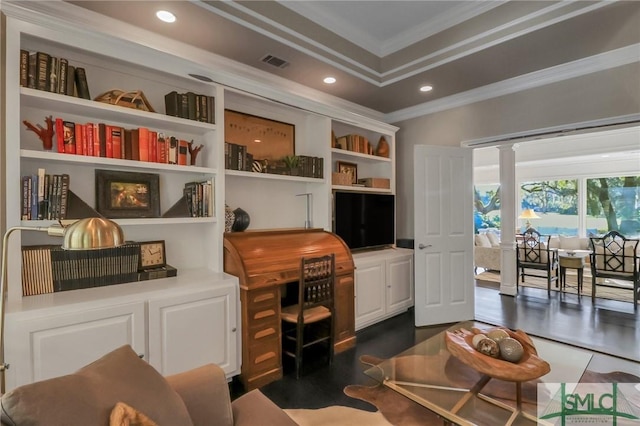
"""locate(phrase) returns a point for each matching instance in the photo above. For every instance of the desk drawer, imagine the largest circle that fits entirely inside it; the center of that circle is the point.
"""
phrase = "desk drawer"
(264, 355)
(257, 299)
(263, 332)
(263, 307)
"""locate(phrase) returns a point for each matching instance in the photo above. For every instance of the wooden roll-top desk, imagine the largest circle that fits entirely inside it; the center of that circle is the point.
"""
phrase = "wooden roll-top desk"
(264, 262)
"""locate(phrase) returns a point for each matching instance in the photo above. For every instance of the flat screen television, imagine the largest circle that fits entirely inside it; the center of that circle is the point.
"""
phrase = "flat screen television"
(364, 220)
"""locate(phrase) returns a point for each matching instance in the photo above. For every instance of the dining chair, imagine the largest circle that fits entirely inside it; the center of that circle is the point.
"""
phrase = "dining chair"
(533, 253)
(310, 322)
(615, 257)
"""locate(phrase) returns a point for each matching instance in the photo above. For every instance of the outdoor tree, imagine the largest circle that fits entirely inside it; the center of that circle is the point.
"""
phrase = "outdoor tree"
(616, 199)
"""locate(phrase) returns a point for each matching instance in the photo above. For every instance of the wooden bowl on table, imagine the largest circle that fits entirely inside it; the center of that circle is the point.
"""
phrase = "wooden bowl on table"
(530, 367)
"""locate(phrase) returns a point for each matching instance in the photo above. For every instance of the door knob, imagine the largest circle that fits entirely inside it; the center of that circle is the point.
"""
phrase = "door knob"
(422, 246)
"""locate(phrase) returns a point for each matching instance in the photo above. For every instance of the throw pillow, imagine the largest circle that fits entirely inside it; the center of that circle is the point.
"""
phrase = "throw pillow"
(481, 240)
(87, 396)
(493, 239)
(125, 415)
(571, 243)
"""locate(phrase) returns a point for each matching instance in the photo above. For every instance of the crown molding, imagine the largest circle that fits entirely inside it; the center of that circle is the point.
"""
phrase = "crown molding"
(447, 20)
(375, 77)
(115, 37)
(603, 61)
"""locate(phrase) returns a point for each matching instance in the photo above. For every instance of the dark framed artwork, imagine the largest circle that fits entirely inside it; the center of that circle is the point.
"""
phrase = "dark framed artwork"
(265, 139)
(127, 194)
(348, 168)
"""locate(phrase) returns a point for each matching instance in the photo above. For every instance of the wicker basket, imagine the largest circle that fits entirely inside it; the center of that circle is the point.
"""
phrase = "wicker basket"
(341, 179)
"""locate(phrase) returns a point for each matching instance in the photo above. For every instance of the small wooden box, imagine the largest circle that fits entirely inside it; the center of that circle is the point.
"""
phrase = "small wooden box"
(340, 178)
(381, 183)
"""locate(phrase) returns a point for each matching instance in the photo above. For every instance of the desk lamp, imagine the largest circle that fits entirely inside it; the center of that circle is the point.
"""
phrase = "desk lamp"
(528, 214)
(91, 233)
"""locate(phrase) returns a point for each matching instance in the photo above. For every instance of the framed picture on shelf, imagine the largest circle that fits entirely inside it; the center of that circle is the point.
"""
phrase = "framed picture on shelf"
(349, 168)
(127, 194)
(264, 139)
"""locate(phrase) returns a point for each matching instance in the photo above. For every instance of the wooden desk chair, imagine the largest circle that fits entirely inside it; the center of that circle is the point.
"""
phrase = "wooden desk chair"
(533, 253)
(615, 256)
(310, 321)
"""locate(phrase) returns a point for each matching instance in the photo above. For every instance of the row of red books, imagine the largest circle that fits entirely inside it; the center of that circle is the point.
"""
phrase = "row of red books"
(110, 141)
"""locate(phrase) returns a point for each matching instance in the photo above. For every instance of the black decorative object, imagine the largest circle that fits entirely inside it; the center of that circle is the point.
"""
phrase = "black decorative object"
(241, 220)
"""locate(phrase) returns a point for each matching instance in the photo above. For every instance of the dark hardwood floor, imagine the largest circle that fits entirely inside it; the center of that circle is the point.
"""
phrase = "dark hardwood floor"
(607, 327)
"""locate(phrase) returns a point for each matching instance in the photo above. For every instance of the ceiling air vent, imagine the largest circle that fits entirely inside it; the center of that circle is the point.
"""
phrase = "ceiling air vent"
(275, 61)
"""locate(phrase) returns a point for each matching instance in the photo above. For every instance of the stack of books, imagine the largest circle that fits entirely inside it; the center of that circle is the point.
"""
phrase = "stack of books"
(49, 268)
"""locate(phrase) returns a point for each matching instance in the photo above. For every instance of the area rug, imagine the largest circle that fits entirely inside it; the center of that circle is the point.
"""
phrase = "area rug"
(337, 415)
(622, 294)
(401, 411)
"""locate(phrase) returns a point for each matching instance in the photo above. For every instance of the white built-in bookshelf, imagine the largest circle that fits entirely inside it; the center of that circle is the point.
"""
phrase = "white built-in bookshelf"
(150, 315)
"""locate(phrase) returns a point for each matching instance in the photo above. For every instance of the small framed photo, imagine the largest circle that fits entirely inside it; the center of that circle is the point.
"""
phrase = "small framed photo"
(127, 194)
(349, 168)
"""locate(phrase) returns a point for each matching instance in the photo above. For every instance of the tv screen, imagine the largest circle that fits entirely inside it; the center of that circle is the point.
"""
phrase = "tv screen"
(364, 220)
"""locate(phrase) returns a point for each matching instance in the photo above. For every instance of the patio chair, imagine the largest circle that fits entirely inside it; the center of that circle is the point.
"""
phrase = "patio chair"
(533, 253)
(615, 257)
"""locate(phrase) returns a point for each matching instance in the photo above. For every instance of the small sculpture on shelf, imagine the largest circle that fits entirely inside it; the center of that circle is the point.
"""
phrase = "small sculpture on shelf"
(45, 135)
(382, 150)
(193, 152)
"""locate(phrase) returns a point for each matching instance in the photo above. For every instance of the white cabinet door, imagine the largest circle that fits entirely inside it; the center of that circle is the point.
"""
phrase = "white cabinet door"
(370, 292)
(59, 344)
(399, 284)
(194, 329)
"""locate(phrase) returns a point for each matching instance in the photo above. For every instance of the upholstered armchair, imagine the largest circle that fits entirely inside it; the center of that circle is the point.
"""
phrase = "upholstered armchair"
(533, 254)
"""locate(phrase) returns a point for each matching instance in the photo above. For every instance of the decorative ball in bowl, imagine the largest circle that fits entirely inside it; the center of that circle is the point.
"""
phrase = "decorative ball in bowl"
(513, 361)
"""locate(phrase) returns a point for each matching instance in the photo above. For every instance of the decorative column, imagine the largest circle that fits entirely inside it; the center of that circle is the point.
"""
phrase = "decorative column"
(508, 193)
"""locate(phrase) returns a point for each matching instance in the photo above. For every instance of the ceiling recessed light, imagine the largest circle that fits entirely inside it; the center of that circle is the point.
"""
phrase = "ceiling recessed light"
(166, 16)
(426, 88)
(329, 80)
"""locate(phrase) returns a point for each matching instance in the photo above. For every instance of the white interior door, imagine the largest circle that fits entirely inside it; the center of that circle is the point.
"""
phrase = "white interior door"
(443, 224)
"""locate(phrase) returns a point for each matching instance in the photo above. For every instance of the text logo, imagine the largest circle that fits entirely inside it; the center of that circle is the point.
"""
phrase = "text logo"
(613, 404)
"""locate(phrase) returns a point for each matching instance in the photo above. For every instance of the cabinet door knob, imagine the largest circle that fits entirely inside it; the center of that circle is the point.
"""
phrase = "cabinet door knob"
(233, 330)
(422, 246)
(141, 356)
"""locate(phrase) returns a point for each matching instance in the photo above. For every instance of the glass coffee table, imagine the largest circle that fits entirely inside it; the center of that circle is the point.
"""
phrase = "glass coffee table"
(429, 375)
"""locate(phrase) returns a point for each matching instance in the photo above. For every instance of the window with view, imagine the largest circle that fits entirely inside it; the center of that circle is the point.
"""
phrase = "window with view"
(613, 204)
(486, 212)
(556, 204)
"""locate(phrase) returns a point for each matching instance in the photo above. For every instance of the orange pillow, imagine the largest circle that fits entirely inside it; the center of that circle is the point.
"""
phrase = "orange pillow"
(125, 415)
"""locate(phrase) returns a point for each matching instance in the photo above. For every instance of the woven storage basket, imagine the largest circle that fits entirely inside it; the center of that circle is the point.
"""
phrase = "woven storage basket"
(340, 178)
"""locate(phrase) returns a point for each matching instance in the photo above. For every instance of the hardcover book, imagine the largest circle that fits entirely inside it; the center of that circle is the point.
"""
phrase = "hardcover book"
(143, 141)
(171, 103)
(42, 71)
(24, 68)
(31, 78)
(53, 75)
(59, 135)
(116, 141)
(63, 67)
(79, 139)
(70, 89)
(183, 149)
(69, 130)
(81, 83)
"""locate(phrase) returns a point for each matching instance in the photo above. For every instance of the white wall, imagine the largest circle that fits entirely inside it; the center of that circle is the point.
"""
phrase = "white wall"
(600, 95)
